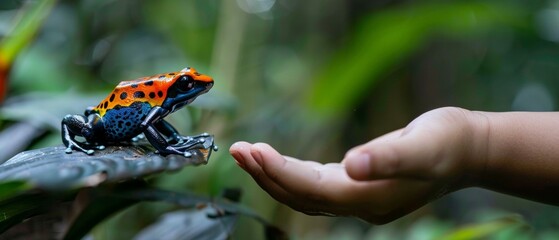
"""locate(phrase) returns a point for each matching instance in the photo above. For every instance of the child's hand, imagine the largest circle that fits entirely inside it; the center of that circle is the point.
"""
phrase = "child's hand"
(383, 179)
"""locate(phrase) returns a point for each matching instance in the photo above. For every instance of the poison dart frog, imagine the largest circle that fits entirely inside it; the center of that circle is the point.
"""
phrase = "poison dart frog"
(136, 107)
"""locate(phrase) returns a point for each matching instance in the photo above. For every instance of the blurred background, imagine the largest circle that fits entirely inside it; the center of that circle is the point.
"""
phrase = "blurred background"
(312, 78)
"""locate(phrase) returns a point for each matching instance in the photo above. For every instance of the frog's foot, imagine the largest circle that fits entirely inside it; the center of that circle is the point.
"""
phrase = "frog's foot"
(205, 139)
(185, 139)
(74, 145)
(173, 150)
(183, 149)
(202, 142)
(195, 142)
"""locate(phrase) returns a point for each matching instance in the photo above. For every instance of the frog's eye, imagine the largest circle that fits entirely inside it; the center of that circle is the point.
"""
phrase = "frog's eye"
(185, 83)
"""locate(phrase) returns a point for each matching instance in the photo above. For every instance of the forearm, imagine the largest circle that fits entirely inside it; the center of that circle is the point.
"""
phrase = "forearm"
(521, 155)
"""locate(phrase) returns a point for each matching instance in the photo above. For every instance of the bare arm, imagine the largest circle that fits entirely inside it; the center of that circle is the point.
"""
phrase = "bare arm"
(523, 155)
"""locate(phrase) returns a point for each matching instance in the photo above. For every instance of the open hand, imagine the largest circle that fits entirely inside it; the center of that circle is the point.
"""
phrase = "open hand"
(378, 181)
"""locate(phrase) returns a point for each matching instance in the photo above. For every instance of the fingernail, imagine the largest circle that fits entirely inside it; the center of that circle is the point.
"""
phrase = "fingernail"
(359, 164)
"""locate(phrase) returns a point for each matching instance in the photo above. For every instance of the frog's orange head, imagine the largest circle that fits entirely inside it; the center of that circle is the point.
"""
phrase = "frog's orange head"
(185, 87)
(196, 76)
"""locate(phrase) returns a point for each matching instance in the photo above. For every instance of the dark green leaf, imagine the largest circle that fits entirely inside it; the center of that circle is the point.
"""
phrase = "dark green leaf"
(53, 169)
(99, 209)
(129, 195)
(189, 200)
(17, 209)
(191, 224)
(13, 188)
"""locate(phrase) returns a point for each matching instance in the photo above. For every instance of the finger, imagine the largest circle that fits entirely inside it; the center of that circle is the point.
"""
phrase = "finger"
(241, 152)
(326, 185)
(386, 137)
(389, 136)
(328, 188)
(333, 192)
(408, 156)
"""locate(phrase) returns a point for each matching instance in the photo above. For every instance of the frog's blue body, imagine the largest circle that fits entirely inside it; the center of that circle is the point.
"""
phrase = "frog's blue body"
(125, 122)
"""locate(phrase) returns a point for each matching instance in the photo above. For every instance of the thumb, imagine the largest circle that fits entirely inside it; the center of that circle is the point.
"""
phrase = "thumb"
(401, 157)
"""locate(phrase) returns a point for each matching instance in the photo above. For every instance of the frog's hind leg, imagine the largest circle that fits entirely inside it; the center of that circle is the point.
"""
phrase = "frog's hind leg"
(72, 126)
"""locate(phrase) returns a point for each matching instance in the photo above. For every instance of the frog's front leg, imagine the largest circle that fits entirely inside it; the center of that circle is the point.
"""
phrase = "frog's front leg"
(178, 141)
(78, 125)
(167, 130)
(161, 144)
(154, 130)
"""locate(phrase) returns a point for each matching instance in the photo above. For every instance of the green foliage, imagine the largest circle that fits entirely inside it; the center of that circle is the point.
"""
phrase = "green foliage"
(384, 40)
(24, 30)
(482, 230)
(9, 189)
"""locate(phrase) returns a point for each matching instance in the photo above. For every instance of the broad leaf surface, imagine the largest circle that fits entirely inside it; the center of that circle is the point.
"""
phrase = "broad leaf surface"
(53, 169)
(191, 224)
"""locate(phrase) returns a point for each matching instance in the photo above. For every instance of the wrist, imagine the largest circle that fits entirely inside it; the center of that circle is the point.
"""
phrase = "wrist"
(477, 157)
(464, 147)
(471, 151)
